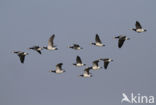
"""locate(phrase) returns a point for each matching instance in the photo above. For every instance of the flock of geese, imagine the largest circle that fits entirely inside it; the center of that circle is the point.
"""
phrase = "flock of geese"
(121, 39)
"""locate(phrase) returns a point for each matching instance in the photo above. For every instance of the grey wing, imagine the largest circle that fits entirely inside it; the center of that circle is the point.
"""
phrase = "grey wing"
(22, 57)
(50, 41)
(120, 42)
(97, 38)
(106, 65)
(59, 66)
(78, 60)
(138, 25)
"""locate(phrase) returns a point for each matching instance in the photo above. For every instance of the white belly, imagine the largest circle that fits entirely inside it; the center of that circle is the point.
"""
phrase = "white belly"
(39, 49)
(87, 75)
(79, 64)
(140, 30)
(78, 48)
(51, 48)
(59, 71)
(99, 44)
(96, 67)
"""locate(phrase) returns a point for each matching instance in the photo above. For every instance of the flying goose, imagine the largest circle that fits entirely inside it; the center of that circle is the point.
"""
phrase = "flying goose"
(86, 72)
(78, 62)
(95, 65)
(36, 48)
(21, 55)
(138, 28)
(51, 45)
(121, 40)
(97, 41)
(59, 69)
(106, 62)
(75, 47)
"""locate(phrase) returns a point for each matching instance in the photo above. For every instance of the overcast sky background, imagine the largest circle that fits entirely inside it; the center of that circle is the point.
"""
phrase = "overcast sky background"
(25, 23)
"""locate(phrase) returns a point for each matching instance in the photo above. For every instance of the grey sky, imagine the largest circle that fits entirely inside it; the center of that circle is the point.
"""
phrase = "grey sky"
(24, 23)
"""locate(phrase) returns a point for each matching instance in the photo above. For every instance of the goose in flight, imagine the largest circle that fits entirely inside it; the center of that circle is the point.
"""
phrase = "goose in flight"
(86, 73)
(106, 62)
(121, 40)
(98, 42)
(138, 28)
(75, 47)
(21, 55)
(78, 62)
(59, 69)
(95, 65)
(51, 45)
(36, 48)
